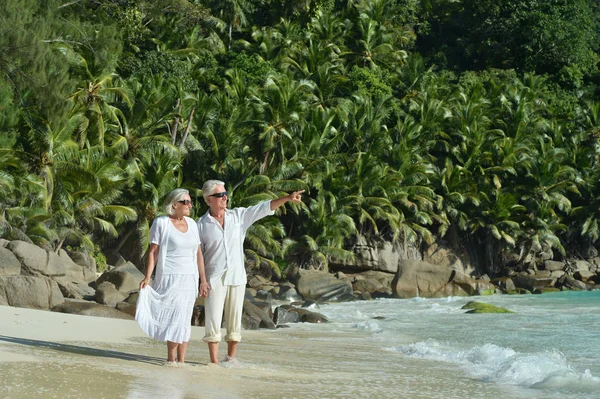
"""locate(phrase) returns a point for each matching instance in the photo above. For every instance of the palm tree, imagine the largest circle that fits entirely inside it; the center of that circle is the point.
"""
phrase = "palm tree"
(412, 192)
(366, 120)
(8, 163)
(156, 171)
(364, 194)
(77, 189)
(320, 63)
(235, 14)
(225, 147)
(544, 193)
(495, 228)
(94, 102)
(22, 194)
(86, 196)
(584, 150)
(376, 41)
(327, 28)
(328, 230)
(471, 167)
(281, 106)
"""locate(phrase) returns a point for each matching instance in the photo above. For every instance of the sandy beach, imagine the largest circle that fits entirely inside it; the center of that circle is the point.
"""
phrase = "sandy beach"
(64, 355)
(389, 349)
(56, 355)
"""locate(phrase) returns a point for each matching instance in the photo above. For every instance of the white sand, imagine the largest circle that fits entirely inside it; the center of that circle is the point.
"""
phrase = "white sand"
(52, 326)
(54, 355)
(57, 355)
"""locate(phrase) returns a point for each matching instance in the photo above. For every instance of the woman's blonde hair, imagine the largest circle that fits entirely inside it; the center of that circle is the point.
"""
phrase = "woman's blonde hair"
(209, 187)
(172, 198)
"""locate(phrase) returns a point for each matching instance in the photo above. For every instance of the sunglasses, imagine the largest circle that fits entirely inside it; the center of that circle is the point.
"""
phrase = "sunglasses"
(185, 202)
(219, 195)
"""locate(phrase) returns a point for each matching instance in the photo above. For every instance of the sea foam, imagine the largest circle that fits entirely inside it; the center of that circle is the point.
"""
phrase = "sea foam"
(492, 363)
(368, 325)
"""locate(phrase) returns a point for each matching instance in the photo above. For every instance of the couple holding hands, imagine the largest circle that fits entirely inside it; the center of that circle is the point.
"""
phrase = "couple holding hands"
(209, 252)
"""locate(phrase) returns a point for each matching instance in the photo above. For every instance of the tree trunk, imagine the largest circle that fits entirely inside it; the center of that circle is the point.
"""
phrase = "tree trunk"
(59, 245)
(492, 255)
(175, 124)
(123, 240)
(187, 130)
(265, 163)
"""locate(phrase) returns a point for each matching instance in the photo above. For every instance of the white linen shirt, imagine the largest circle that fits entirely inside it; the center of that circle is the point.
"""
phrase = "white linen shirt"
(223, 248)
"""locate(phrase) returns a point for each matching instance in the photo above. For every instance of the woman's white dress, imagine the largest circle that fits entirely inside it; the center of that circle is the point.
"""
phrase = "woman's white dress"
(164, 310)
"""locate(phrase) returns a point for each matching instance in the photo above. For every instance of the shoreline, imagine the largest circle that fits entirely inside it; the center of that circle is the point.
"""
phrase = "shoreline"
(384, 349)
(57, 355)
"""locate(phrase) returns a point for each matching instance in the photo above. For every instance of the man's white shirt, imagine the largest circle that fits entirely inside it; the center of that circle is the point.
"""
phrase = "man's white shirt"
(223, 248)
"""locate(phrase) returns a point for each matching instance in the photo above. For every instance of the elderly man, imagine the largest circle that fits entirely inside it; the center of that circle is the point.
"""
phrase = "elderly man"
(222, 233)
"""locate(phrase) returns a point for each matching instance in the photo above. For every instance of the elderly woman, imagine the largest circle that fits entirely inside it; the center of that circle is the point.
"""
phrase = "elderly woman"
(164, 310)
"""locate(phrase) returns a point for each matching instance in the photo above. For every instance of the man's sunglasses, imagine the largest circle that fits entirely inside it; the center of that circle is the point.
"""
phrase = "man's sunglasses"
(185, 202)
(219, 195)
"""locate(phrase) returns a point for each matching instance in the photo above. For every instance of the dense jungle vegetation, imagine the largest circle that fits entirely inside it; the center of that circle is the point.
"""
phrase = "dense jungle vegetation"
(475, 122)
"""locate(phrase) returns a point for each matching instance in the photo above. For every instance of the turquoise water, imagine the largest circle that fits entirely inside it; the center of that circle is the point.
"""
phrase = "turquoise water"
(548, 349)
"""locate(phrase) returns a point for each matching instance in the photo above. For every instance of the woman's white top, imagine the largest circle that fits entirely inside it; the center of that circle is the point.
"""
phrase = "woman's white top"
(181, 250)
(181, 247)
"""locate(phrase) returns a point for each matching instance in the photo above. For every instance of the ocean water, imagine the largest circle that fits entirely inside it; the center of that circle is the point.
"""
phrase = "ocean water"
(548, 349)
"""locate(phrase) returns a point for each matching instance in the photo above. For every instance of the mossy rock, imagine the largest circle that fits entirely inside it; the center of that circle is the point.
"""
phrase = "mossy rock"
(490, 291)
(479, 307)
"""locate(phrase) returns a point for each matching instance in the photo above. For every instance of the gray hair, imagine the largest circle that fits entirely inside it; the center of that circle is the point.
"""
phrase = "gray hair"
(209, 187)
(172, 198)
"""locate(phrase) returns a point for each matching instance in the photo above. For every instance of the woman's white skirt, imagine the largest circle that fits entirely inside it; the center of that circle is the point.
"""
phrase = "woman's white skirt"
(164, 311)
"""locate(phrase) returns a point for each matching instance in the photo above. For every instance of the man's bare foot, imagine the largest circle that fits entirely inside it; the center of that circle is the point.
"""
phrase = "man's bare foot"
(229, 361)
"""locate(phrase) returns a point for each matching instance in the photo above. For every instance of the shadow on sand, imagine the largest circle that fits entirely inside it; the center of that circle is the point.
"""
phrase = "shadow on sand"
(87, 351)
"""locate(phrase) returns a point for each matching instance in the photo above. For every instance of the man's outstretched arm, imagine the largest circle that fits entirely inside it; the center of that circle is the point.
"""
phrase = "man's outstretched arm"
(296, 196)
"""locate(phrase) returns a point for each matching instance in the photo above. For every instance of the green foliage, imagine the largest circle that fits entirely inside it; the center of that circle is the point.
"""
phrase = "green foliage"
(208, 72)
(157, 63)
(572, 76)
(95, 253)
(369, 82)
(100, 259)
(254, 70)
(38, 77)
(483, 131)
(542, 36)
(134, 29)
(8, 110)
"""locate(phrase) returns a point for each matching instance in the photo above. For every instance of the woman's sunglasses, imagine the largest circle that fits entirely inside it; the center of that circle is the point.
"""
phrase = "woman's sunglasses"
(185, 202)
(219, 195)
